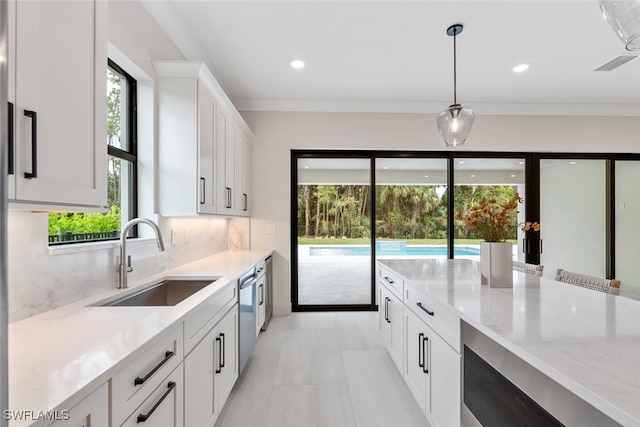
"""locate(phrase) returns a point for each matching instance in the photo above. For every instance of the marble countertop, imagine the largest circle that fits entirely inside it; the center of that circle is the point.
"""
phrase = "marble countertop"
(54, 355)
(587, 341)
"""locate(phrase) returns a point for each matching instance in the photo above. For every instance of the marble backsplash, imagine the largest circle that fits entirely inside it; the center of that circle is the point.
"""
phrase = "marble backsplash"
(41, 279)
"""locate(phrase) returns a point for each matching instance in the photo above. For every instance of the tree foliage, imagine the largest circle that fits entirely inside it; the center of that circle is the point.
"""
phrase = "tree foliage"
(402, 211)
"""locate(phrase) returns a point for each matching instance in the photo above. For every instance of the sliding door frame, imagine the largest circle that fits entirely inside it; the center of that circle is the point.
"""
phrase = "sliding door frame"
(532, 204)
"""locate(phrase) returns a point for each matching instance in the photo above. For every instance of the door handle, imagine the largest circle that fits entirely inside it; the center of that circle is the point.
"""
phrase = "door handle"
(420, 347)
(425, 351)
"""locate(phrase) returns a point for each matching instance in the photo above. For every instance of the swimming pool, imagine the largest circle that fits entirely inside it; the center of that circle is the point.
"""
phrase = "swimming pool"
(401, 251)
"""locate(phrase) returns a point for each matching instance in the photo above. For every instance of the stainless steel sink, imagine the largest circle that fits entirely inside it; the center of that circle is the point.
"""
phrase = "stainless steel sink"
(166, 293)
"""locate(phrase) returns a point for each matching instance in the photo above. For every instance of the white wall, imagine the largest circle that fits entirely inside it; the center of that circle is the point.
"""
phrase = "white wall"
(276, 133)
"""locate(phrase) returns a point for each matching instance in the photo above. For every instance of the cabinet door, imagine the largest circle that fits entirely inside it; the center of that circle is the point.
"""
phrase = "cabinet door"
(227, 356)
(199, 379)
(242, 174)
(164, 406)
(91, 411)
(417, 365)
(384, 323)
(11, 98)
(225, 140)
(60, 109)
(445, 383)
(206, 151)
(396, 319)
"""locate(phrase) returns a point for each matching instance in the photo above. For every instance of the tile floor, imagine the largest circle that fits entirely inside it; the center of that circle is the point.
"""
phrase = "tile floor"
(321, 369)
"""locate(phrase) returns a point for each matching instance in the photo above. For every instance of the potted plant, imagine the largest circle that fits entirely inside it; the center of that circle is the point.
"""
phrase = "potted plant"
(495, 221)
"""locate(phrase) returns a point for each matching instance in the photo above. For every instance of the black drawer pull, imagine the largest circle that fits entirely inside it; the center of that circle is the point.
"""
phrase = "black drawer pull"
(203, 188)
(425, 354)
(420, 347)
(224, 350)
(219, 368)
(168, 355)
(430, 313)
(144, 417)
(34, 144)
(228, 201)
(389, 280)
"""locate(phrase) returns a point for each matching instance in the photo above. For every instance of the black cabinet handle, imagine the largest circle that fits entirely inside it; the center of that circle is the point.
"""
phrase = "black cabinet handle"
(430, 313)
(224, 350)
(219, 369)
(203, 186)
(246, 202)
(389, 280)
(420, 350)
(387, 300)
(228, 201)
(168, 355)
(144, 417)
(425, 351)
(34, 144)
(10, 137)
(261, 294)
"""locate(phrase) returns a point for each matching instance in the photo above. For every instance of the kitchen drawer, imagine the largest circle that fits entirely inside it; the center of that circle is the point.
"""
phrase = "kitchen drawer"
(144, 372)
(164, 406)
(203, 318)
(433, 313)
(391, 280)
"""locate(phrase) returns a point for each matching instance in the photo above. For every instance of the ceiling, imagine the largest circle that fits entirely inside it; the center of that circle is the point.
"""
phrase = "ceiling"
(395, 56)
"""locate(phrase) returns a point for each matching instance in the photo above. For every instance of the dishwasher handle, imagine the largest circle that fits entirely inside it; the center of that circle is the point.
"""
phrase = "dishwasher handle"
(248, 279)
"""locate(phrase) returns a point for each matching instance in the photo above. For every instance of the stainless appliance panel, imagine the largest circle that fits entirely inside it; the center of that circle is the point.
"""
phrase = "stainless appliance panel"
(248, 313)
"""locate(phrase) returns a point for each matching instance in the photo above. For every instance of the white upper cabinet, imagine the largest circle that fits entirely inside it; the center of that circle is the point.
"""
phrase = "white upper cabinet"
(57, 85)
(200, 136)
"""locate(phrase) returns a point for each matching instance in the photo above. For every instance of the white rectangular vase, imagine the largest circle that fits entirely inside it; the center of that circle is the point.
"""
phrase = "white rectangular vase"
(496, 264)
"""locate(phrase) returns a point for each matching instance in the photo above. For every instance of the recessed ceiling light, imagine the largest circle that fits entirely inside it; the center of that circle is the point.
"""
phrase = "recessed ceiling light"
(521, 67)
(521, 162)
(473, 176)
(426, 176)
(461, 162)
(572, 163)
(297, 64)
(513, 176)
(386, 167)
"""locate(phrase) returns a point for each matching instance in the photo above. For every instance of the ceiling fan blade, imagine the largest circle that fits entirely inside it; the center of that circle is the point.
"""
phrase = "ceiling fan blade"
(615, 63)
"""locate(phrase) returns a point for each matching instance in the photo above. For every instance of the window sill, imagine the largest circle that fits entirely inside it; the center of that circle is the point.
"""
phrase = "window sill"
(97, 246)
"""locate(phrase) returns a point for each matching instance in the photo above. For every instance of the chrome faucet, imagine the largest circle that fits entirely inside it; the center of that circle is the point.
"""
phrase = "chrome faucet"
(125, 268)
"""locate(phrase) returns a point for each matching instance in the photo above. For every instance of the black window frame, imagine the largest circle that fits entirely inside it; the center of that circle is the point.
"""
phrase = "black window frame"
(131, 154)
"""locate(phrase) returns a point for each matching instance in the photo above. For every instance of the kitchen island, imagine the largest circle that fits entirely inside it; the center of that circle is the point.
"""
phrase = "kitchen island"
(585, 341)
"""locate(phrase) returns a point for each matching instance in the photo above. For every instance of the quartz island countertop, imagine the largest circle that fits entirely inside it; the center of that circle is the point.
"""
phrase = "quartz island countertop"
(54, 355)
(587, 341)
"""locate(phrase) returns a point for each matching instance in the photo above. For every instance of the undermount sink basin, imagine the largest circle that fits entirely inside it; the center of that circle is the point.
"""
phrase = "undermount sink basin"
(166, 293)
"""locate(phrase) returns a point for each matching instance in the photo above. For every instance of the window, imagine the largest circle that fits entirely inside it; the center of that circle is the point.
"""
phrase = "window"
(122, 170)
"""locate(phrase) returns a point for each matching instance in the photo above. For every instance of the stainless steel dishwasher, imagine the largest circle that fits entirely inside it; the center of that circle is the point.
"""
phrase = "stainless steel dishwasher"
(248, 306)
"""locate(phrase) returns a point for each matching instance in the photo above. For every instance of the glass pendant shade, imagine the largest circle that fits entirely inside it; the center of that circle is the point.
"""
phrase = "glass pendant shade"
(624, 18)
(454, 125)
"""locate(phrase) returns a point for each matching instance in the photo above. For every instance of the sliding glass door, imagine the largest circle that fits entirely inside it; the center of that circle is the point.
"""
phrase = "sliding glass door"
(333, 240)
(411, 208)
(573, 215)
(496, 180)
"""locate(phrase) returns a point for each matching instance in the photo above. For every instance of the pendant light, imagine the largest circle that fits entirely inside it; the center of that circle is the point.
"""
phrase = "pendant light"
(454, 123)
(624, 18)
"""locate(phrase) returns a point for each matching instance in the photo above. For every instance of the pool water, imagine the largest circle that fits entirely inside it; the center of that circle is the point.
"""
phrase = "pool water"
(399, 251)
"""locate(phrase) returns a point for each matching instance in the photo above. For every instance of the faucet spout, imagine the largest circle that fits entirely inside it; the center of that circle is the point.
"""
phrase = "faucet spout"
(122, 269)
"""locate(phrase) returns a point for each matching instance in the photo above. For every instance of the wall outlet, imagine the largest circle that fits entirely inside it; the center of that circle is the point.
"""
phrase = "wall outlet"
(271, 229)
(174, 236)
(186, 235)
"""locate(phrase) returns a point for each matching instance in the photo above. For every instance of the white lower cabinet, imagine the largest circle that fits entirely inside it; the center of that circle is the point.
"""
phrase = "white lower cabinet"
(432, 372)
(92, 411)
(164, 406)
(390, 322)
(260, 300)
(210, 371)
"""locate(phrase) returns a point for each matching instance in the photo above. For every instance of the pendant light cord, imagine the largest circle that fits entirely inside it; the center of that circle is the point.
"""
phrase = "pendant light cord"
(455, 32)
